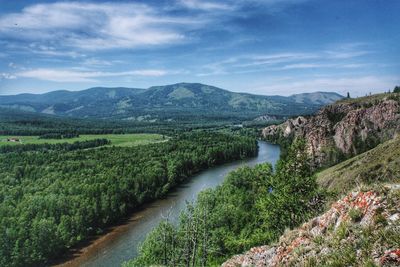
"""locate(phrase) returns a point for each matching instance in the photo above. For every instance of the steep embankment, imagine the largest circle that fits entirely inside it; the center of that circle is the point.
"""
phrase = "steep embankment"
(343, 129)
(361, 228)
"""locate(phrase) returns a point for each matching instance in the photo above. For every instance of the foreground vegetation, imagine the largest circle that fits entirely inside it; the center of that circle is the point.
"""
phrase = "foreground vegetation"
(360, 226)
(51, 200)
(252, 206)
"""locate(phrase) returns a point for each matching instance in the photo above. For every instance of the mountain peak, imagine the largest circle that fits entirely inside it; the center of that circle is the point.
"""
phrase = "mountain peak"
(167, 102)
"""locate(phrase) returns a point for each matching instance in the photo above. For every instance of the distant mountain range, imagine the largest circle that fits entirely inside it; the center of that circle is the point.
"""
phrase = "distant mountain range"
(169, 102)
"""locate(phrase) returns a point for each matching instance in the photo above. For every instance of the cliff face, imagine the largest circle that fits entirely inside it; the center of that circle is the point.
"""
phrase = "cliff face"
(343, 129)
(362, 229)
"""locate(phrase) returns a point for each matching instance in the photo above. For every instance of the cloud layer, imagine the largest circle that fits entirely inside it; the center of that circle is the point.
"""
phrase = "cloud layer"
(94, 25)
(242, 45)
(62, 75)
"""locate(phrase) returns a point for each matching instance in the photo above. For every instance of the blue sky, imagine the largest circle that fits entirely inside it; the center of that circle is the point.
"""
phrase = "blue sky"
(256, 46)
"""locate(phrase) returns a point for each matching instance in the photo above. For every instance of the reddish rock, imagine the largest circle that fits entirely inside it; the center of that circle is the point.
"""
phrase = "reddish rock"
(285, 251)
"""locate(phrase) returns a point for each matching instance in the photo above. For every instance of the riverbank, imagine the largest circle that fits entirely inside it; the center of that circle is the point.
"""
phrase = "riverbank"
(88, 248)
(120, 243)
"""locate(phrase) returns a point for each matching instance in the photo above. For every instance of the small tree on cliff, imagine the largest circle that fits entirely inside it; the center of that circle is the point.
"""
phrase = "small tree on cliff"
(294, 190)
(396, 89)
(348, 95)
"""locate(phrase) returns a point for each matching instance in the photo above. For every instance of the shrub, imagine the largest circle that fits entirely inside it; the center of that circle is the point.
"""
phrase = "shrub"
(355, 214)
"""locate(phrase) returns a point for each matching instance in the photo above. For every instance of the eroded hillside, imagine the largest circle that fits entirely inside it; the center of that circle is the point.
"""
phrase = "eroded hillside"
(361, 229)
(343, 129)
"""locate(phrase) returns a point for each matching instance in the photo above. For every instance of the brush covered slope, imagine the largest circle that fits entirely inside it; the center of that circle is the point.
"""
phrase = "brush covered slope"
(360, 229)
(374, 166)
(181, 101)
(343, 129)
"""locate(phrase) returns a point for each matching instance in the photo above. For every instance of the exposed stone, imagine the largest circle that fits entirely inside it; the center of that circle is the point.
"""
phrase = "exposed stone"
(296, 247)
(345, 127)
(391, 256)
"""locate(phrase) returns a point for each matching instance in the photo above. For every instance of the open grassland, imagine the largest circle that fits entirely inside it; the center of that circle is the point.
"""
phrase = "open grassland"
(381, 164)
(116, 139)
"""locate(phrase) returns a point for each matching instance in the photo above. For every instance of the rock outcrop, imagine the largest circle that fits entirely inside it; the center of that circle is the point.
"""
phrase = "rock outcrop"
(360, 229)
(343, 129)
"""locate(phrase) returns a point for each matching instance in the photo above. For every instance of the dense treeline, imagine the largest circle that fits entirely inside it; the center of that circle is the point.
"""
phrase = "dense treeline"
(59, 146)
(59, 136)
(253, 206)
(51, 200)
(16, 122)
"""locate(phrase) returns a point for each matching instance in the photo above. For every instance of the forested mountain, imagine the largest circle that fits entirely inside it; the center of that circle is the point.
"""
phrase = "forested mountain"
(316, 98)
(171, 102)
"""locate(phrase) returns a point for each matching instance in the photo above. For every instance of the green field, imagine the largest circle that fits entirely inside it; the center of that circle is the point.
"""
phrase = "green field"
(116, 139)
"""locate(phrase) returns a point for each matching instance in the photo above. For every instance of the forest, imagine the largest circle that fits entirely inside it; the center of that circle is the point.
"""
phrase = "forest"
(15, 122)
(253, 206)
(52, 199)
(59, 147)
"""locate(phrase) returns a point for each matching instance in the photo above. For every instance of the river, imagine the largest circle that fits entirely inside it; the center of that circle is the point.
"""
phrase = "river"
(121, 242)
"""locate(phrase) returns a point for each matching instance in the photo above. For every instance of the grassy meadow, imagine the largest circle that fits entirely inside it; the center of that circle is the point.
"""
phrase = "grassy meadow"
(116, 139)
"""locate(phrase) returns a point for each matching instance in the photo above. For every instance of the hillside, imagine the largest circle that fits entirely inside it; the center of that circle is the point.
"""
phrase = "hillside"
(171, 102)
(360, 229)
(374, 166)
(343, 129)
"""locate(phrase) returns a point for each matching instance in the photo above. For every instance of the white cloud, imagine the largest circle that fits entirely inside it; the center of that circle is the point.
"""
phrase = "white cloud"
(63, 75)
(339, 57)
(7, 76)
(229, 5)
(51, 51)
(273, 59)
(95, 26)
(346, 54)
(97, 62)
(205, 5)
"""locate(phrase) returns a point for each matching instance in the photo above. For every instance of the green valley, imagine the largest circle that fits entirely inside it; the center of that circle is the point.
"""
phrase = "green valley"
(199, 133)
(52, 199)
(115, 139)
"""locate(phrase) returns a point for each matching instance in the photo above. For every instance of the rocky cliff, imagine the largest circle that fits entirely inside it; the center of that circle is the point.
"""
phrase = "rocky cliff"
(343, 129)
(361, 229)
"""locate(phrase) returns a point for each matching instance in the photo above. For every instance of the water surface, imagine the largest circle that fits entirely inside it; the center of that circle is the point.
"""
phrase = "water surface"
(121, 243)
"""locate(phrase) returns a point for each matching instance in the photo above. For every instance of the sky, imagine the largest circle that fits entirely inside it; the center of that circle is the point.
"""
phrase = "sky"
(269, 47)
